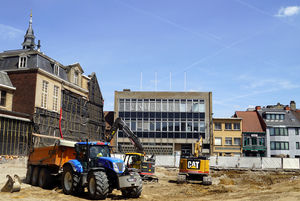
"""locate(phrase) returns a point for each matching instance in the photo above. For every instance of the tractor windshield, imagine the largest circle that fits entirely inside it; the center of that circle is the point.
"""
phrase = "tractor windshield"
(99, 151)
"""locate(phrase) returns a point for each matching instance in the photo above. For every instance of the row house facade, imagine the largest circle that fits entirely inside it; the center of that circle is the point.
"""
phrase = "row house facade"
(227, 137)
(253, 134)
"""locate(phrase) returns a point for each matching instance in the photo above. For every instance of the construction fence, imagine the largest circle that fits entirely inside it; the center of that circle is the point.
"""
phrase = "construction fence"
(15, 136)
(232, 162)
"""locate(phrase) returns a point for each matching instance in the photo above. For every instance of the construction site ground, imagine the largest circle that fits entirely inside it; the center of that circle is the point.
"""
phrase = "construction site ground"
(227, 185)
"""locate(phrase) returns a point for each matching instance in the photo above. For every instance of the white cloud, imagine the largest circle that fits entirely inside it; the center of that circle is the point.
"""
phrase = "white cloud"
(288, 11)
(7, 32)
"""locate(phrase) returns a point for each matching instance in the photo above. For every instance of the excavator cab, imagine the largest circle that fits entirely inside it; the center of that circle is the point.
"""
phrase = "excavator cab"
(134, 160)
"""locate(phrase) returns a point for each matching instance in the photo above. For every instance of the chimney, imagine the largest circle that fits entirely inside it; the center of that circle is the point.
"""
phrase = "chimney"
(287, 108)
(293, 105)
(258, 108)
(39, 46)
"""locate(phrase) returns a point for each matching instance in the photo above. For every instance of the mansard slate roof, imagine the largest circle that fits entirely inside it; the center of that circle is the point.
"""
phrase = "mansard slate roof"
(289, 121)
(9, 60)
(251, 121)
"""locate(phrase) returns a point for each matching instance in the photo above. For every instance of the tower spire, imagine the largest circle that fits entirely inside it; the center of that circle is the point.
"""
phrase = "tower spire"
(29, 37)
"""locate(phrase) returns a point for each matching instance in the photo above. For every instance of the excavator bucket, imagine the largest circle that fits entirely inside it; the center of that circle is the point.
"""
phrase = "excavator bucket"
(12, 185)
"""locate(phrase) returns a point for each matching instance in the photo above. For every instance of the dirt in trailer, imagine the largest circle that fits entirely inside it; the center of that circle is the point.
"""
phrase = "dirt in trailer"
(227, 185)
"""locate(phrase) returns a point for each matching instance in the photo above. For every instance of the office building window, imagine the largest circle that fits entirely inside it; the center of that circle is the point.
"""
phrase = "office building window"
(158, 105)
(146, 126)
(146, 105)
(55, 98)
(236, 126)
(275, 116)
(218, 141)
(183, 126)
(3, 98)
(152, 105)
(158, 126)
(237, 141)
(121, 105)
(228, 126)
(139, 125)
(133, 105)
(228, 141)
(133, 125)
(196, 129)
(246, 141)
(279, 145)
(279, 131)
(171, 126)
(183, 106)
(177, 126)
(44, 94)
(177, 106)
(201, 106)
(171, 105)
(189, 106)
(261, 141)
(296, 131)
(164, 126)
(164, 105)
(218, 126)
(254, 141)
(189, 126)
(297, 145)
(202, 127)
(140, 105)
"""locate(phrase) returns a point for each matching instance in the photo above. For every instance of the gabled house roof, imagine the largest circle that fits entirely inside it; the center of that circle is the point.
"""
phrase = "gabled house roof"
(289, 120)
(251, 122)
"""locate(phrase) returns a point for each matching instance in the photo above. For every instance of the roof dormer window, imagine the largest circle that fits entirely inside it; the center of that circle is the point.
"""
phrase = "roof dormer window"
(22, 61)
(75, 78)
(56, 69)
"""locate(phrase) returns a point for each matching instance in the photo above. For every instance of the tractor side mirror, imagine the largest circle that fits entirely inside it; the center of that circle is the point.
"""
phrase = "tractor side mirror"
(77, 148)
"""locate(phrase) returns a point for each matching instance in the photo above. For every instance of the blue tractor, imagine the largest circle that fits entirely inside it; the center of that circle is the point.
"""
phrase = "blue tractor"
(95, 169)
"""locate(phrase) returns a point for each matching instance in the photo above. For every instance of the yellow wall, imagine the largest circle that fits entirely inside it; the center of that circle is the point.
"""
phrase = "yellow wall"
(8, 101)
(50, 96)
(223, 134)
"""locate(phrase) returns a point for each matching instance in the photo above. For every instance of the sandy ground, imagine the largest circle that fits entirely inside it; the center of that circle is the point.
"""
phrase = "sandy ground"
(227, 185)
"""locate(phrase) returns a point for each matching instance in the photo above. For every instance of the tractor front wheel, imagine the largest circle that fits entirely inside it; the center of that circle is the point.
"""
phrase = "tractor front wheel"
(133, 192)
(98, 186)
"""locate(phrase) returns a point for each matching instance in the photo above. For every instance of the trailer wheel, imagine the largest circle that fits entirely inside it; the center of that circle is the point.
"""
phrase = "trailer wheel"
(69, 181)
(35, 176)
(132, 192)
(98, 186)
(45, 178)
(29, 174)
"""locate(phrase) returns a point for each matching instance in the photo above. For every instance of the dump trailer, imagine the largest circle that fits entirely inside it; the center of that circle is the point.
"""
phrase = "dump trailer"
(79, 165)
(194, 168)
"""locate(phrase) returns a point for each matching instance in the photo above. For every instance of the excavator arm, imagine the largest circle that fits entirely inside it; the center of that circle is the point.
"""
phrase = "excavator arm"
(120, 124)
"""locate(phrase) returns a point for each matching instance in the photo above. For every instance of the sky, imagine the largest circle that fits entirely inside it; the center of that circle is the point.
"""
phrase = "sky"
(246, 52)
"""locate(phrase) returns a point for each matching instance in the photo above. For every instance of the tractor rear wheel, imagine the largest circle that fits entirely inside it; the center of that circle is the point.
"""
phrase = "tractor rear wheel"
(98, 186)
(70, 181)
